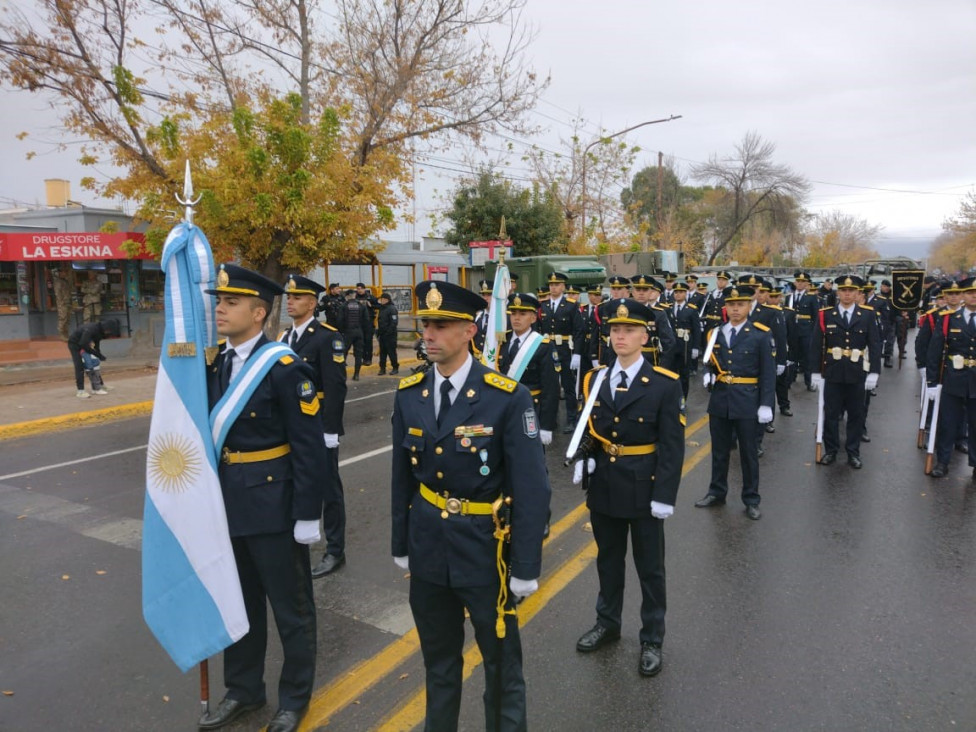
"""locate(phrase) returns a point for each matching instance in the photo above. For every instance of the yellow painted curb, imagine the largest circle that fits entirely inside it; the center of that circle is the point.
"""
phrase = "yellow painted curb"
(77, 419)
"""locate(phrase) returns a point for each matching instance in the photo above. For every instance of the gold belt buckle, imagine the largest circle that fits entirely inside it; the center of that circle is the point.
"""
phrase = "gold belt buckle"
(225, 456)
(614, 450)
(453, 505)
(727, 378)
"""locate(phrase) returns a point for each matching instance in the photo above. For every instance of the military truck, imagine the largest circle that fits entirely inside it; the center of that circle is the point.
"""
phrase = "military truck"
(533, 272)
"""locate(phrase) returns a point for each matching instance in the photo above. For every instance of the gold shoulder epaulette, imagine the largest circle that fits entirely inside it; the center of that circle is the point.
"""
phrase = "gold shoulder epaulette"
(933, 310)
(762, 327)
(286, 360)
(500, 382)
(866, 307)
(692, 305)
(280, 333)
(829, 307)
(546, 339)
(946, 311)
(328, 327)
(410, 380)
(773, 307)
(669, 374)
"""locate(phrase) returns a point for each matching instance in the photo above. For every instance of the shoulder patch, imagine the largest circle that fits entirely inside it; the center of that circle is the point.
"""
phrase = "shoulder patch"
(773, 307)
(500, 382)
(866, 307)
(933, 310)
(666, 372)
(826, 308)
(286, 360)
(545, 339)
(762, 327)
(328, 327)
(411, 381)
(692, 305)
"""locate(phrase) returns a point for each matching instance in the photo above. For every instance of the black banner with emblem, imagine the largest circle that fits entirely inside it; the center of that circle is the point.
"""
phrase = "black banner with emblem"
(906, 288)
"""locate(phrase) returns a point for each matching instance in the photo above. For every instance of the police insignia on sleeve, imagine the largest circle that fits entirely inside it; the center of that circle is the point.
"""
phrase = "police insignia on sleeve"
(338, 350)
(530, 425)
(308, 399)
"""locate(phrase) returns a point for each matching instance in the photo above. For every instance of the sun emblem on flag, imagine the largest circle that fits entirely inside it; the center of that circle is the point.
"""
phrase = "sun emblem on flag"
(174, 462)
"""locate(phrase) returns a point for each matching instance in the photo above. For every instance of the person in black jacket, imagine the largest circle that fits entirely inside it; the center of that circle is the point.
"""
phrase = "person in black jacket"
(386, 334)
(352, 321)
(322, 347)
(369, 327)
(84, 344)
(561, 320)
(631, 468)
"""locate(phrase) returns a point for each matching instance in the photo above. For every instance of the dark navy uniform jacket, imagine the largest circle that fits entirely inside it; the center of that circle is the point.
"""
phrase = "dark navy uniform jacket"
(953, 340)
(830, 333)
(772, 317)
(269, 496)
(648, 412)
(751, 358)
(460, 550)
(566, 322)
(927, 324)
(687, 330)
(324, 349)
(540, 379)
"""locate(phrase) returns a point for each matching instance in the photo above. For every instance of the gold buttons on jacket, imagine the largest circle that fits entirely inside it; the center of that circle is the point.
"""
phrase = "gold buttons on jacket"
(439, 449)
(440, 474)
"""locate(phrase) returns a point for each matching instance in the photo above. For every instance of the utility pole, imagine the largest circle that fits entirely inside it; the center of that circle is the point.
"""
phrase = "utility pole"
(660, 184)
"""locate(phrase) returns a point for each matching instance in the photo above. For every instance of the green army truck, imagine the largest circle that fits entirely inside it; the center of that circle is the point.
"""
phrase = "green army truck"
(533, 272)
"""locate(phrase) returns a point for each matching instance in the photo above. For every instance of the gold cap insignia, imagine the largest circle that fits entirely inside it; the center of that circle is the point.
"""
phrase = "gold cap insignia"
(223, 279)
(434, 298)
(848, 281)
(734, 293)
(553, 278)
(517, 302)
(291, 284)
(623, 312)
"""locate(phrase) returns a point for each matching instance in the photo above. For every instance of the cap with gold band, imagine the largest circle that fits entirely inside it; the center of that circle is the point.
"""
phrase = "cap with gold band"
(738, 293)
(724, 275)
(625, 311)
(618, 281)
(751, 280)
(485, 286)
(596, 289)
(297, 285)
(869, 285)
(235, 280)
(799, 276)
(523, 301)
(681, 287)
(645, 282)
(966, 285)
(446, 301)
(556, 277)
(542, 291)
(849, 282)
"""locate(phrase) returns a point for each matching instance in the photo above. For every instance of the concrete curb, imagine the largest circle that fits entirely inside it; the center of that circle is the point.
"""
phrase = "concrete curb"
(110, 414)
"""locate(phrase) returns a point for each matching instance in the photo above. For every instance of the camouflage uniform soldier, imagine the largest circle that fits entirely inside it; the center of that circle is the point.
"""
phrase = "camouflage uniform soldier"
(91, 298)
(61, 277)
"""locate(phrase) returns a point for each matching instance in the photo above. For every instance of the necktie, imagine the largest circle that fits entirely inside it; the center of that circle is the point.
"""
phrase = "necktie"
(732, 335)
(225, 369)
(622, 384)
(513, 350)
(847, 318)
(677, 309)
(294, 338)
(972, 321)
(445, 401)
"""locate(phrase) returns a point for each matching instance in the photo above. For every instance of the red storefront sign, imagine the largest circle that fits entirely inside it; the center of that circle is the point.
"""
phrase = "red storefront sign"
(55, 246)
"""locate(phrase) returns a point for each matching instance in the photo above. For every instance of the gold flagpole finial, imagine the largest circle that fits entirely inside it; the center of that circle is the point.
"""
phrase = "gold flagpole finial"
(502, 236)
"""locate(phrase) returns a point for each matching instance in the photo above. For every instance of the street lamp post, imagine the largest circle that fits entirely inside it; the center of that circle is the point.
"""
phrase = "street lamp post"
(605, 138)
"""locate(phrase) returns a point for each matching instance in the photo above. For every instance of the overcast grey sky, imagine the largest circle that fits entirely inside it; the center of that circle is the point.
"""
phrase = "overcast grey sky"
(857, 95)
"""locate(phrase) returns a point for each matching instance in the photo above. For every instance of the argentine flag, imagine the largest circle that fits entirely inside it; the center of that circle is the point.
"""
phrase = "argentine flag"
(191, 594)
(497, 316)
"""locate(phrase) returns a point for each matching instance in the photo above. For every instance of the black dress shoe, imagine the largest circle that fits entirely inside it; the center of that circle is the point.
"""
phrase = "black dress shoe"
(329, 564)
(286, 720)
(786, 412)
(596, 637)
(381, 372)
(855, 462)
(753, 512)
(887, 362)
(394, 372)
(829, 459)
(570, 426)
(650, 660)
(709, 500)
(769, 427)
(941, 470)
(226, 712)
(865, 438)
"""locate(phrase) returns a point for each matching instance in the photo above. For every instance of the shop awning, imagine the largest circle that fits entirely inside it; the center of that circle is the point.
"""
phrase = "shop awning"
(56, 246)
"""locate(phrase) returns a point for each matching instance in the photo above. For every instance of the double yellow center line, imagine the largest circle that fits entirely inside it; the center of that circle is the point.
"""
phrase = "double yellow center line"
(355, 682)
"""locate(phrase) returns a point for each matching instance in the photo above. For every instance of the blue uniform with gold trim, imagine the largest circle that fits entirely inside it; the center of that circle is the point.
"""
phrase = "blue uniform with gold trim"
(951, 361)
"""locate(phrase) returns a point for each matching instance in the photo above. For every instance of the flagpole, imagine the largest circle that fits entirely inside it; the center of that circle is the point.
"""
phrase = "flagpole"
(188, 202)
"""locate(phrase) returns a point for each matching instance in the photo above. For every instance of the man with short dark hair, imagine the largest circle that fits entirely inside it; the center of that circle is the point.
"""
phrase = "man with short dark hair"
(84, 345)
(386, 334)
(352, 322)
(364, 296)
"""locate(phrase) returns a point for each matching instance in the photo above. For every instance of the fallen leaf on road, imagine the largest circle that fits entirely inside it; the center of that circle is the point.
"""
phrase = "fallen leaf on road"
(65, 576)
(8, 693)
(100, 571)
(404, 676)
(693, 443)
(165, 697)
(588, 527)
(23, 515)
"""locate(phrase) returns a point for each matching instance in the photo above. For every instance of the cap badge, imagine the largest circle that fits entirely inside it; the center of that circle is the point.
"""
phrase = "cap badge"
(734, 293)
(623, 312)
(434, 299)
(848, 281)
(223, 279)
(291, 284)
(517, 302)
(553, 278)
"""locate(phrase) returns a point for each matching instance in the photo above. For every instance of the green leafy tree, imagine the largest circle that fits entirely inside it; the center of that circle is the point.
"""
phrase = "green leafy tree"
(533, 217)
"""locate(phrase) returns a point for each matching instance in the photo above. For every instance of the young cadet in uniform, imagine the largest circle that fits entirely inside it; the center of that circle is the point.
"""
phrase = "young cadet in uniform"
(603, 351)
(560, 319)
(271, 473)
(662, 342)
(687, 329)
(711, 310)
(807, 306)
(464, 438)
(740, 372)
(845, 360)
(772, 317)
(591, 324)
(365, 297)
(951, 369)
(481, 319)
(784, 380)
(322, 348)
(892, 316)
(881, 307)
(633, 453)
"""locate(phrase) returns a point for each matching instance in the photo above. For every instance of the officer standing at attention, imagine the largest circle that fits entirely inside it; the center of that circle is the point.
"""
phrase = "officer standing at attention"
(687, 329)
(951, 369)
(465, 439)
(784, 380)
(386, 334)
(321, 346)
(807, 306)
(711, 310)
(630, 467)
(740, 372)
(602, 352)
(845, 360)
(481, 319)
(591, 325)
(562, 322)
(271, 474)
(660, 346)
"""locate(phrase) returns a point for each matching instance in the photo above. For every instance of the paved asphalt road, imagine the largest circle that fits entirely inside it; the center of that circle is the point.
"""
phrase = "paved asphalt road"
(850, 606)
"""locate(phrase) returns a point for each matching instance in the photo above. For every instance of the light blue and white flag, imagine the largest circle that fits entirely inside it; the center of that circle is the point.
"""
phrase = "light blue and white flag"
(191, 593)
(497, 317)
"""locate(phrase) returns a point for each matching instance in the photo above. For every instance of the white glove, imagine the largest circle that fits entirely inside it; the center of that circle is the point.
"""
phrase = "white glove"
(331, 441)
(765, 415)
(708, 379)
(816, 380)
(780, 369)
(307, 532)
(870, 382)
(546, 437)
(931, 392)
(694, 354)
(921, 372)
(402, 562)
(595, 362)
(574, 362)
(661, 510)
(522, 588)
(791, 363)
(578, 470)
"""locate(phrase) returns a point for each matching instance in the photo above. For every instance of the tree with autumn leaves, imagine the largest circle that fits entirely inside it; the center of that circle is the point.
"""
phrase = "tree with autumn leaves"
(296, 118)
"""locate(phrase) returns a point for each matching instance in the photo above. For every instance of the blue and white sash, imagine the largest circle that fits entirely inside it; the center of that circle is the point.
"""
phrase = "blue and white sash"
(232, 403)
(522, 359)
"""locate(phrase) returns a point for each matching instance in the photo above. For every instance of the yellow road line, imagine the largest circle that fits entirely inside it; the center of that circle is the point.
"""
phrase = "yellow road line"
(366, 674)
(78, 419)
